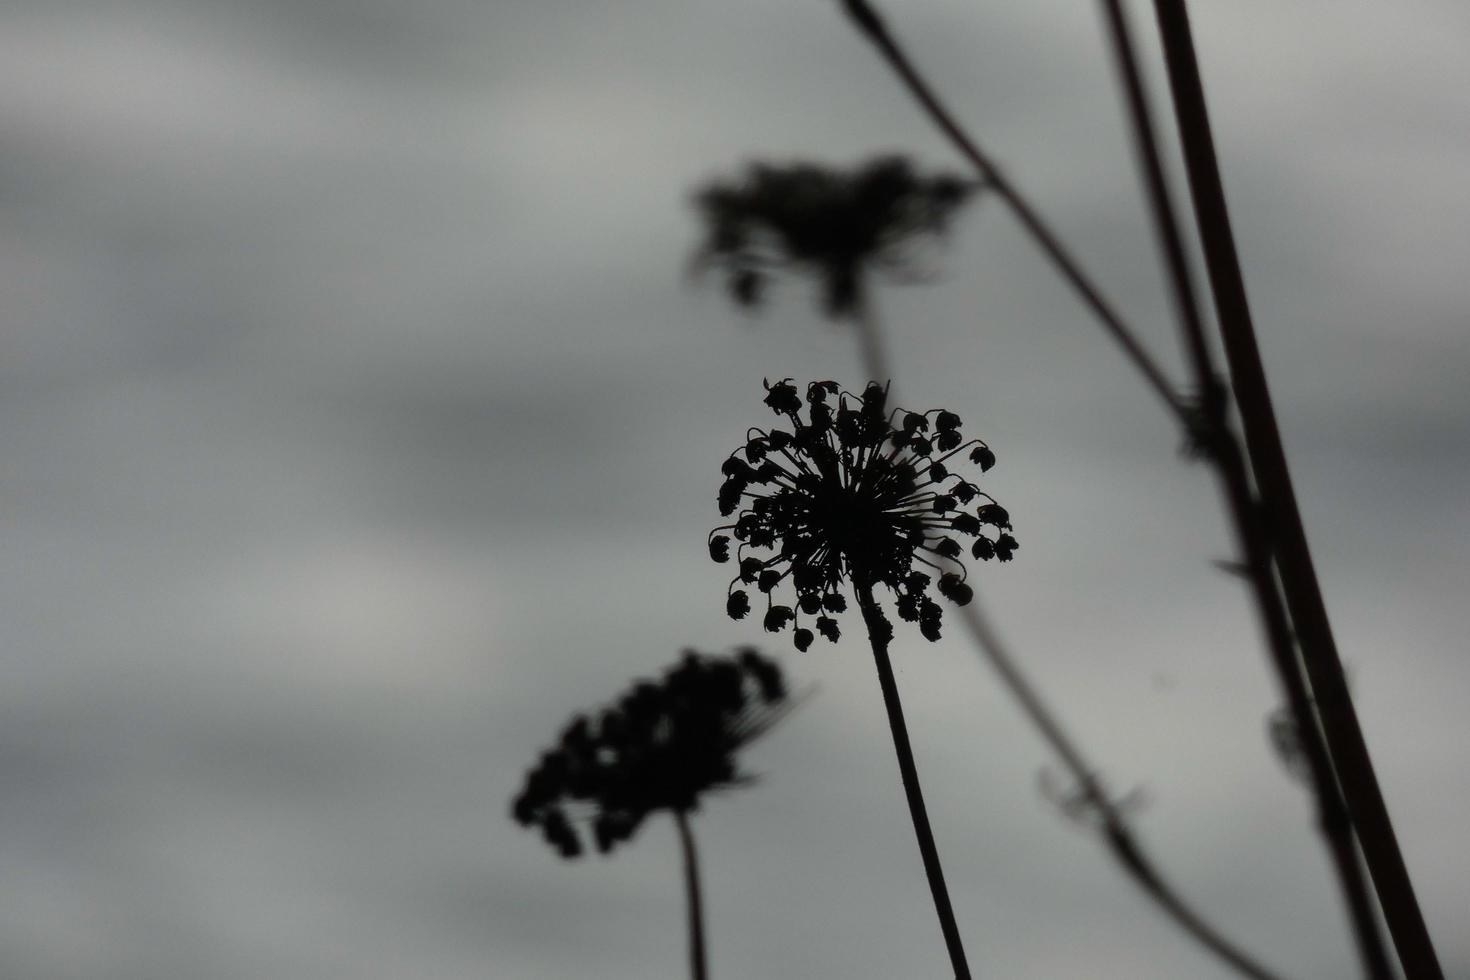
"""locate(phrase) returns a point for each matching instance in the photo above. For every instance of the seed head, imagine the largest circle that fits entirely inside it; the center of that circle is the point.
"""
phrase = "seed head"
(857, 492)
(659, 747)
(831, 223)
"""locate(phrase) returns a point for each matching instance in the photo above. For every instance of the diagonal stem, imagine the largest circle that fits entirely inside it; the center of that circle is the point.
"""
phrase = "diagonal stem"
(873, 28)
(1214, 436)
(697, 968)
(1115, 829)
(1268, 459)
(879, 632)
(1197, 420)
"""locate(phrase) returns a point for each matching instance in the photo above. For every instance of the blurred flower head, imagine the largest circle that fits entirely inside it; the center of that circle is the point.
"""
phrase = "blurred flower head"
(854, 492)
(659, 747)
(823, 221)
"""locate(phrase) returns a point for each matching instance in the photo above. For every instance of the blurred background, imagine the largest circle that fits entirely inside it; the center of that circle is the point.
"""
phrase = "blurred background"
(359, 423)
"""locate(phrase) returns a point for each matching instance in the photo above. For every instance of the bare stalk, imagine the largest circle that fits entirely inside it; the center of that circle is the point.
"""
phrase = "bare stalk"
(879, 631)
(1204, 421)
(870, 342)
(1113, 824)
(873, 28)
(1216, 440)
(697, 968)
(1268, 461)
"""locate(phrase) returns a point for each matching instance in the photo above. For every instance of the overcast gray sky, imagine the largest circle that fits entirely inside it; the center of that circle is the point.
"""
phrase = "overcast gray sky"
(358, 424)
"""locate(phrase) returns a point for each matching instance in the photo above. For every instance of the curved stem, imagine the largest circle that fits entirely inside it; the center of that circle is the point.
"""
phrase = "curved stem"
(1115, 829)
(879, 631)
(1223, 450)
(1268, 460)
(697, 968)
(873, 28)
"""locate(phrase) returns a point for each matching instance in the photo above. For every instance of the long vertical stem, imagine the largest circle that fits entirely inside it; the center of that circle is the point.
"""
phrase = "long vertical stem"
(697, 969)
(1218, 441)
(1268, 459)
(879, 631)
(1300, 579)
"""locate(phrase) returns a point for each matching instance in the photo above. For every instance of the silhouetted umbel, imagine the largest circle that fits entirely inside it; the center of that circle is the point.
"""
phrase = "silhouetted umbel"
(824, 221)
(658, 748)
(849, 494)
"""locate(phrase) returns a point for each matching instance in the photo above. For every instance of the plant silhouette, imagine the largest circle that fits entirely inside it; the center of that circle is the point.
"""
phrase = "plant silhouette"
(824, 221)
(1278, 562)
(661, 746)
(1107, 818)
(847, 495)
(848, 498)
(836, 224)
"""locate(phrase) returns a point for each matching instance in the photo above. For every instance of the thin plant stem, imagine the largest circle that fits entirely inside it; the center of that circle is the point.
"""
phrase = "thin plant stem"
(1268, 460)
(1219, 444)
(1211, 404)
(870, 342)
(872, 27)
(1113, 824)
(1115, 829)
(878, 632)
(697, 968)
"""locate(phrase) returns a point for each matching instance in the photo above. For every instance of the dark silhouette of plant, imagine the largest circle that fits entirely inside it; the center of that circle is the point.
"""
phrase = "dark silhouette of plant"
(1293, 558)
(1277, 562)
(848, 497)
(1090, 805)
(834, 224)
(661, 746)
(1090, 797)
(1332, 746)
(824, 221)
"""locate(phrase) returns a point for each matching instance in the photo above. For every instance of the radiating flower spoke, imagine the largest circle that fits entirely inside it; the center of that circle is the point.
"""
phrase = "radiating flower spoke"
(848, 496)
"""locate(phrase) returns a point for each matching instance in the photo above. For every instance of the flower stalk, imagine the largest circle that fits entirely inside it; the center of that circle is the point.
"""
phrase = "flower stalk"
(1218, 443)
(856, 494)
(1112, 821)
(879, 634)
(1204, 422)
(755, 208)
(1348, 748)
(661, 746)
(698, 969)
(872, 27)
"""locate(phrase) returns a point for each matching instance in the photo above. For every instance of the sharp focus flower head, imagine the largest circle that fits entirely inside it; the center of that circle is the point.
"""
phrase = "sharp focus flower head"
(824, 221)
(659, 747)
(857, 492)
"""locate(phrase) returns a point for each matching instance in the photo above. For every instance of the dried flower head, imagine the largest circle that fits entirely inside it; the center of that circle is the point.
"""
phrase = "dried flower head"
(854, 492)
(658, 748)
(823, 221)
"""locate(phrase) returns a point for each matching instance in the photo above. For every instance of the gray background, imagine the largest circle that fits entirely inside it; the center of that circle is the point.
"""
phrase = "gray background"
(358, 424)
